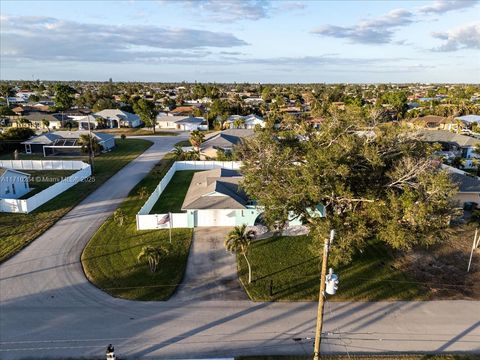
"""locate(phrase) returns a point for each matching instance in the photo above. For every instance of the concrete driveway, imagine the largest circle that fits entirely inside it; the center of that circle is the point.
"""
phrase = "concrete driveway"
(211, 272)
(49, 310)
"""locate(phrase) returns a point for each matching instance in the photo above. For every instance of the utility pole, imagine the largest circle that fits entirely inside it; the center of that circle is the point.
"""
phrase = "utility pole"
(321, 296)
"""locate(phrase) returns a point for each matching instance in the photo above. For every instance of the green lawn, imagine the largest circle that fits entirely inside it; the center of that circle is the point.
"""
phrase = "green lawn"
(42, 179)
(110, 258)
(366, 357)
(172, 197)
(18, 230)
(294, 271)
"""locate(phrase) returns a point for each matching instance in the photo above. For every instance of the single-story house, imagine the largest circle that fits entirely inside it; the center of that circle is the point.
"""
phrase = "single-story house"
(244, 122)
(468, 186)
(460, 145)
(469, 119)
(64, 143)
(224, 141)
(215, 198)
(13, 183)
(119, 118)
(185, 123)
(182, 111)
(36, 119)
(431, 122)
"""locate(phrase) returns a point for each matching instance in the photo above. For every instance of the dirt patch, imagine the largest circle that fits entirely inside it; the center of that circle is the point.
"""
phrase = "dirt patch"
(442, 269)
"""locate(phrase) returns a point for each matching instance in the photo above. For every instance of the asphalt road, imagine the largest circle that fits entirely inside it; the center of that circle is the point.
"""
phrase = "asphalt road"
(49, 310)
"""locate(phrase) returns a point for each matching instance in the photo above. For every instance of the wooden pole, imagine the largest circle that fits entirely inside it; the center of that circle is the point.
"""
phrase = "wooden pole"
(321, 297)
(474, 246)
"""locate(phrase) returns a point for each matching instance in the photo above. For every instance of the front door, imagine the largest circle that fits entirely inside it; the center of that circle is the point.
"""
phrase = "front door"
(28, 148)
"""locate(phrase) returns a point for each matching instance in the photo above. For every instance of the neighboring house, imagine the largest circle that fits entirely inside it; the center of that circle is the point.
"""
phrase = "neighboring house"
(468, 186)
(116, 118)
(185, 123)
(64, 143)
(36, 119)
(13, 183)
(225, 141)
(469, 119)
(182, 111)
(431, 122)
(452, 143)
(247, 122)
(215, 198)
(91, 122)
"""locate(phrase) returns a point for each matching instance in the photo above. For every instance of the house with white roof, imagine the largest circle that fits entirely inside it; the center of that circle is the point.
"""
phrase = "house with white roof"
(116, 118)
(244, 122)
(13, 183)
(183, 123)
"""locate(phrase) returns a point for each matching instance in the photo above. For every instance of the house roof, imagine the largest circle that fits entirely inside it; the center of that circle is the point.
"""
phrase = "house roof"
(116, 114)
(182, 109)
(180, 119)
(215, 189)
(39, 116)
(443, 136)
(466, 183)
(4, 170)
(430, 119)
(469, 118)
(51, 137)
(227, 138)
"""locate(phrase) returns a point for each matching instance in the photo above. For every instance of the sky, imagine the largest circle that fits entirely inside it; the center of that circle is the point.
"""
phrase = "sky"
(253, 41)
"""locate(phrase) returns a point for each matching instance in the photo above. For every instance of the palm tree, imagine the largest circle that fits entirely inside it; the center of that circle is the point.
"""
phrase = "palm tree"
(196, 139)
(238, 123)
(152, 256)
(84, 142)
(6, 91)
(238, 241)
(119, 217)
(46, 123)
(178, 151)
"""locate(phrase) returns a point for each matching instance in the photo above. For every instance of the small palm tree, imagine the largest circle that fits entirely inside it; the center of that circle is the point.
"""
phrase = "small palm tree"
(152, 256)
(238, 241)
(46, 123)
(143, 192)
(178, 151)
(196, 139)
(119, 217)
(238, 123)
(85, 141)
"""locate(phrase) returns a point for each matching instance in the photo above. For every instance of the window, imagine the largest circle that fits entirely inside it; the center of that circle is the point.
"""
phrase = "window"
(13, 189)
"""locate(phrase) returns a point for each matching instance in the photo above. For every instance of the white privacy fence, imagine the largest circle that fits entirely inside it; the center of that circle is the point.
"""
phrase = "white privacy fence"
(33, 202)
(146, 221)
(43, 164)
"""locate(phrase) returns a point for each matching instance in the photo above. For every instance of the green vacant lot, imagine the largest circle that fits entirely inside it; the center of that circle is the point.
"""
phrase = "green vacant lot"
(18, 230)
(366, 357)
(172, 197)
(110, 258)
(287, 264)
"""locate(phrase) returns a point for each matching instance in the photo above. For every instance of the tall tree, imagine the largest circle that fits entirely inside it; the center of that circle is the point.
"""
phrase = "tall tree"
(372, 182)
(147, 112)
(238, 241)
(63, 96)
(6, 91)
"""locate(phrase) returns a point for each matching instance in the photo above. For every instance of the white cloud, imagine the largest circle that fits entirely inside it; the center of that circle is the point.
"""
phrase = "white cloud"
(464, 37)
(443, 6)
(231, 10)
(47, 38)
(378, 30)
